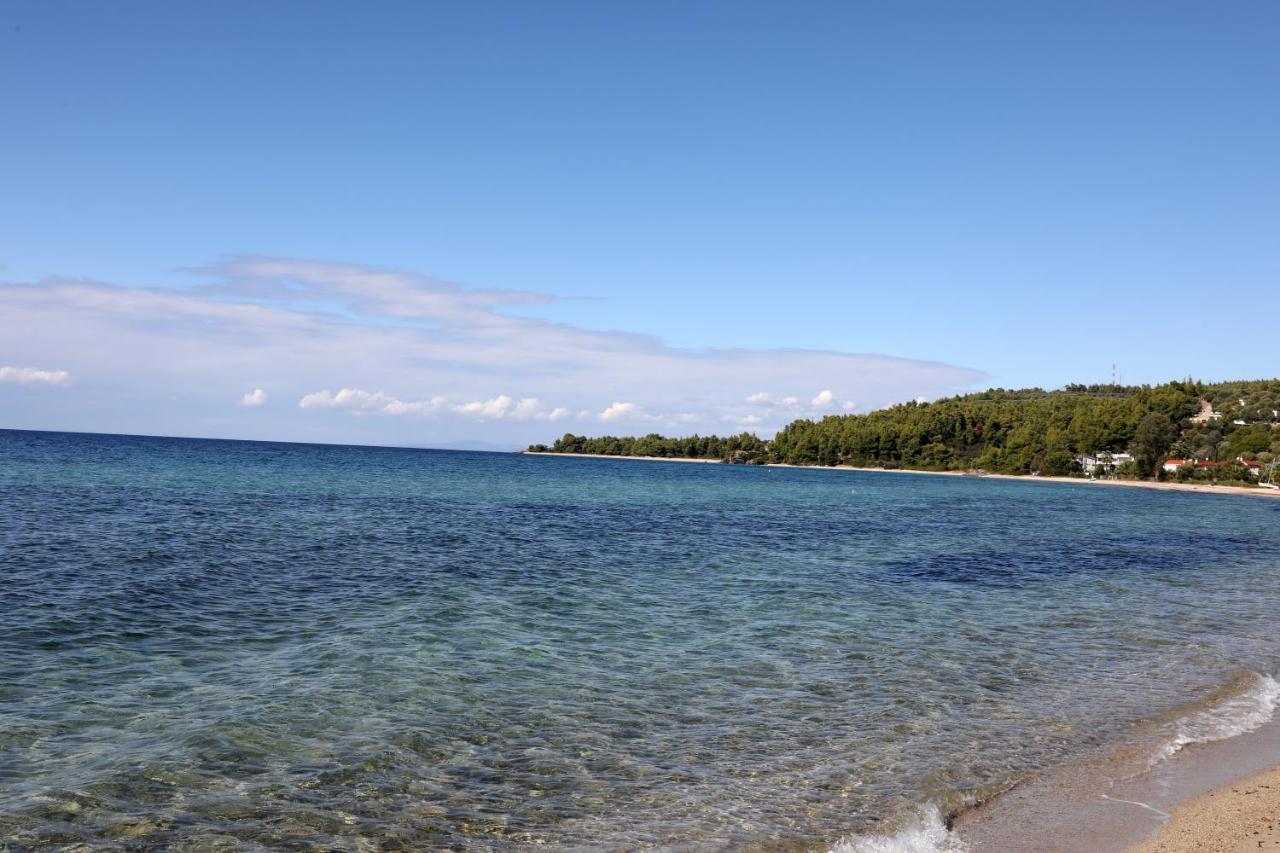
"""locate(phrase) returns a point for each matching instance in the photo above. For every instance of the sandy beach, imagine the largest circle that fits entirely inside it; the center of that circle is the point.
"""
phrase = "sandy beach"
(1202, 488)
(1220, 795)
(1243, 816)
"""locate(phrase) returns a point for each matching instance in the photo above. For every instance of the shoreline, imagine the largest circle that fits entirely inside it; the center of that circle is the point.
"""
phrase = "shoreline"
(1242, 816)
(1203, 778)
(1208, 795)
(1201, 488)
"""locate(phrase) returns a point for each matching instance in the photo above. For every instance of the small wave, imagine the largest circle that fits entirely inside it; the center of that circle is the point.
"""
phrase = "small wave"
(928, 833)
(1233, 716)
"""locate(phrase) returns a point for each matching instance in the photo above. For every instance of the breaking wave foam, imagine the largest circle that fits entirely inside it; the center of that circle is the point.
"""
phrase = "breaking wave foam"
(1236, 715)
(928, 833)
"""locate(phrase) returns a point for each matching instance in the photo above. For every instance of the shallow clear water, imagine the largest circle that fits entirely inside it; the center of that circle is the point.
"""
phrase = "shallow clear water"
(236, 644)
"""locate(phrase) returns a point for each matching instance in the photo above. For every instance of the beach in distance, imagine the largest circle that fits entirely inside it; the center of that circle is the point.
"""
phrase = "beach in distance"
(1206, 488)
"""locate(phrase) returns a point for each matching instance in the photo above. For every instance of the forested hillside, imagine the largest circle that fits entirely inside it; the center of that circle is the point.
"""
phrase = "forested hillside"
(689, 447)
(1014, 432)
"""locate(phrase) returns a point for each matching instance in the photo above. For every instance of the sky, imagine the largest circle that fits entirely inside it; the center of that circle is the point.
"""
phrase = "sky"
(487, 224)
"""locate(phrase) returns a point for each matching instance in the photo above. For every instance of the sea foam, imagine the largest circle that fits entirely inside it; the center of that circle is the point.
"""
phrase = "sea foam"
(928, 833)
(1236, 715)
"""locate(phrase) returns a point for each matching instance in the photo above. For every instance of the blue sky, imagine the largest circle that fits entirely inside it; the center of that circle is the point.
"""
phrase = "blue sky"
(922, 197)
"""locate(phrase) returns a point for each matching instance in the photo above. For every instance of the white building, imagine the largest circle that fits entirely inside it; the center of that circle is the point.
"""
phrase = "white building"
(1254, 468)
(1104, 459)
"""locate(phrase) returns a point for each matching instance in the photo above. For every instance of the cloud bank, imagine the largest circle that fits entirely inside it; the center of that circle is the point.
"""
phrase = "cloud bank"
(34, 376)
(413, 360)
(502, 407)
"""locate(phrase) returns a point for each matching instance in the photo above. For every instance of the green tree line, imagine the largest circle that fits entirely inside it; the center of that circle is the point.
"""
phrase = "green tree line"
(740, 446)
(1002, 431)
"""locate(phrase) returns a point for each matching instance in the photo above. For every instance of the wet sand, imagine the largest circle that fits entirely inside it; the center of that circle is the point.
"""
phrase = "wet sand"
(1241, 817)
(1203, 488)
(1198, 800)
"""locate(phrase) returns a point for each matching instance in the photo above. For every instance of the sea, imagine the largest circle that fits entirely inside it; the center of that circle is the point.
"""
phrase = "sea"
(235, 645)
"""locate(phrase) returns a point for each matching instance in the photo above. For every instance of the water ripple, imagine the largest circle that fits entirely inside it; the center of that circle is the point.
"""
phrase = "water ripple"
(228, 645)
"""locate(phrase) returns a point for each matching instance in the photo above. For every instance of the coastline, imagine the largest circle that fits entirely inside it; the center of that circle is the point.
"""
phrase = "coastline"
(1209, 796)
(1222, 794)
(1243, 816)
(613, 456)
(1201, 488)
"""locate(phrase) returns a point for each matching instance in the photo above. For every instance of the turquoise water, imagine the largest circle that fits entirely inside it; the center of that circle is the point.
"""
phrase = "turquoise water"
(231, 644)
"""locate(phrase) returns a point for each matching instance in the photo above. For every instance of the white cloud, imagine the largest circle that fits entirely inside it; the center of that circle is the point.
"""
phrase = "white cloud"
(504, 407)
(501, 407)
(823, 403)
(34, 376)
(826, 403)
(771, 401)
(636, 414)
(256, 397)
(358, 402)
(498, 407)
(620, 411)
(321, 326)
